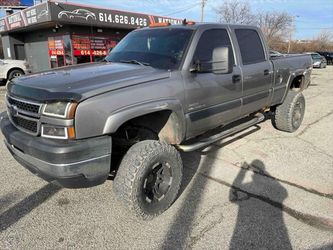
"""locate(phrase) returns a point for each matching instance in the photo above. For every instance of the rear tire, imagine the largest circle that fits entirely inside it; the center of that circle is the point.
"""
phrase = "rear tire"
(15, 73)
(149, 178)
(289, 115)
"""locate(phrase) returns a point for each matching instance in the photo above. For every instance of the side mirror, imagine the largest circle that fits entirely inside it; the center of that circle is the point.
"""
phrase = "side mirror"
(222, 62)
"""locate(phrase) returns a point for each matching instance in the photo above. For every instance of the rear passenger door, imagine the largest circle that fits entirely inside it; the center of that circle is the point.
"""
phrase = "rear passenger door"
(257, 70)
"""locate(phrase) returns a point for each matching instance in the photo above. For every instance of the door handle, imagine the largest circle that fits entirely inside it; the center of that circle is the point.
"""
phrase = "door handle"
(266, 72)
(236, 78)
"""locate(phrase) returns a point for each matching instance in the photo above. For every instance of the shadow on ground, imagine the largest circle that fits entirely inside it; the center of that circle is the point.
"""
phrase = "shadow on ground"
(24, 207)
(258, 224)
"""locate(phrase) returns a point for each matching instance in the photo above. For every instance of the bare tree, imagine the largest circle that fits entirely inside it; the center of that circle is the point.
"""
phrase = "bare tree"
(235, 12)
(324, 40)
(275, 25)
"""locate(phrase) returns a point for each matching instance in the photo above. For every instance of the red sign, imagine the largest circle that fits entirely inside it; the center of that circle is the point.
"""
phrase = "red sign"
(56, 52)
(86, 52)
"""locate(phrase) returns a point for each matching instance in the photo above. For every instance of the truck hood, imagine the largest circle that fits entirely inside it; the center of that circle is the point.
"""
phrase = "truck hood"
(80, 82)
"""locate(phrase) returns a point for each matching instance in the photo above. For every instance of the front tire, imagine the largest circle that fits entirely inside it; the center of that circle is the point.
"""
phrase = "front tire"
(149, 178)
(289, 115)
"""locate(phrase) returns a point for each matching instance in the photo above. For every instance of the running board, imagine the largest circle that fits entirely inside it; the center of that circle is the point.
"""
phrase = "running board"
(207, 141)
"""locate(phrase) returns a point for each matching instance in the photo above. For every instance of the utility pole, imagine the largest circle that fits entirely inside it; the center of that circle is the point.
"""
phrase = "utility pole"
(289, 40)
(291, 32)
(203, 3)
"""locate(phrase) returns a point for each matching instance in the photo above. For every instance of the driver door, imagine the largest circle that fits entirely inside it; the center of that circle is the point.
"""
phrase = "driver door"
(212, 99)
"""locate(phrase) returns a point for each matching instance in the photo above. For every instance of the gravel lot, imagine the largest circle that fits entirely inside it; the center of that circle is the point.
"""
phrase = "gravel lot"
(260, 189)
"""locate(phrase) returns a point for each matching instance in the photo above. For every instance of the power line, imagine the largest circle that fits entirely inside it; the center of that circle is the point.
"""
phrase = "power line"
(188, 7)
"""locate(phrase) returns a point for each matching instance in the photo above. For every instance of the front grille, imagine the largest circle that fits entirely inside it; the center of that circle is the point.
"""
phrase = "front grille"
(25, 106)
(24, 115)
(25, 124)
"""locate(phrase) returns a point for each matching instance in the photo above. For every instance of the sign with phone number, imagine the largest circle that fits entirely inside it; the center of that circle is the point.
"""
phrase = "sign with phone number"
(90, 52)
(122, 19)
(70, 13)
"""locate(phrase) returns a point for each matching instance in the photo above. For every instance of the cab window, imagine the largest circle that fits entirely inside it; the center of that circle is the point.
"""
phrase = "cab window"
(250, 46)
(209, 40)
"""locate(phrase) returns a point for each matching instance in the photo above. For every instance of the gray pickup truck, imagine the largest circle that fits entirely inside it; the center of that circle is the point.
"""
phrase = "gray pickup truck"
(157, 93)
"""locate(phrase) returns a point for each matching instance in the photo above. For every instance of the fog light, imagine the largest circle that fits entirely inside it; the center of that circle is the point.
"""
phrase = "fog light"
(54, 132)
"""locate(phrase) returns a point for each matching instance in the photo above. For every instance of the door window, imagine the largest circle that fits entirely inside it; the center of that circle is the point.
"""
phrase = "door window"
(210, 40)
(250, 46)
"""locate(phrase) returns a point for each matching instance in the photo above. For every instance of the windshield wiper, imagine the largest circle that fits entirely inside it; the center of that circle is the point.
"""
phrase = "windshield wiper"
(135, 62)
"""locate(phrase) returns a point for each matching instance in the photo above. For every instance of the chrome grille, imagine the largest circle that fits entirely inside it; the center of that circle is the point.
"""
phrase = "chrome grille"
(28, 125)
(24, 115)
(24, 106)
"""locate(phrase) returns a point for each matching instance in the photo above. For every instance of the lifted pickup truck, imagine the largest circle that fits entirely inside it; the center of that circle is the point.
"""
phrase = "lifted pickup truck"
(159, 88)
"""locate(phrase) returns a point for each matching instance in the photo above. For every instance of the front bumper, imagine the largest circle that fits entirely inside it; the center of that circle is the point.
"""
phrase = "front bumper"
(71, 164)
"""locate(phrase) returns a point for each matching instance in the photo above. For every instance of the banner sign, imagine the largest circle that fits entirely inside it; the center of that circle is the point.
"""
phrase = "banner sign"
(79, 15)
(29, 16)
(104, 17)
(16, 3)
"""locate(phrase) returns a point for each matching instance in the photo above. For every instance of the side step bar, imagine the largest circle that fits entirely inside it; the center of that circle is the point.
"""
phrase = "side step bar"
(207, 141)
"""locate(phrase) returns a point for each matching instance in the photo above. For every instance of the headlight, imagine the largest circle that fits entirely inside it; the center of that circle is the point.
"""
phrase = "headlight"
(55, 132)
(60, 109)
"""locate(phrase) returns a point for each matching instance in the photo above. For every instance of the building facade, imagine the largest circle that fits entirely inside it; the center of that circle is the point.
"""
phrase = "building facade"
(55, 34)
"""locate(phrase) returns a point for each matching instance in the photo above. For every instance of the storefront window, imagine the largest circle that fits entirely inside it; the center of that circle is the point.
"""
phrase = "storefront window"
(81, 48)
(67, 50)
(56, 51)
(98, 48)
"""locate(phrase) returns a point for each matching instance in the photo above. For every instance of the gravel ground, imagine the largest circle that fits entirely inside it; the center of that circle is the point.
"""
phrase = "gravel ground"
(260, 189)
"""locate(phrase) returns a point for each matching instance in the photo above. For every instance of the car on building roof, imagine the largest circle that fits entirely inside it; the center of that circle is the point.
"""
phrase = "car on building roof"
(79, 13)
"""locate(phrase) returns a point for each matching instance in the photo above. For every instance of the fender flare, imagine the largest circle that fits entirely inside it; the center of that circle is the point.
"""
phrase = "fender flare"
(177, 117)
(292, 76)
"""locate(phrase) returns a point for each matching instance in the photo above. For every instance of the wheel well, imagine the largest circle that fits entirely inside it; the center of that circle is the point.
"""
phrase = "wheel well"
(12, 69)
(297, 83)
(161, 125)
(165, 124)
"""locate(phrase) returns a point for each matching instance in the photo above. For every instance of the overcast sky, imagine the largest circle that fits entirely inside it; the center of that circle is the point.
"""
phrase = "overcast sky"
(311, 16)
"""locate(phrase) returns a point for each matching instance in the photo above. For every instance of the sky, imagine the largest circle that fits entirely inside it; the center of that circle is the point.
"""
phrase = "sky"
(311, 16)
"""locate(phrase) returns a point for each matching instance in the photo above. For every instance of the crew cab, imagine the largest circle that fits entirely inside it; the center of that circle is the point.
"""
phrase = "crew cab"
(158, 92)
(10, 69)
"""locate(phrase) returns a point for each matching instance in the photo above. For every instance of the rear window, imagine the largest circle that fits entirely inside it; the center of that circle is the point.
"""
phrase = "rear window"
(316, 56)
(250, 46)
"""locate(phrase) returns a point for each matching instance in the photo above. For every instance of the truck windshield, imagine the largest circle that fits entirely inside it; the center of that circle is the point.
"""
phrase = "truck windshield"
(158, 48)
